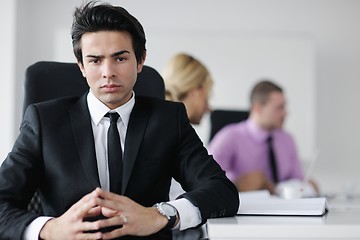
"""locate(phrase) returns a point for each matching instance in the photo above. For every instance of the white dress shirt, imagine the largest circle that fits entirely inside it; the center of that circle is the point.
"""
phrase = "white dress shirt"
(189, 214)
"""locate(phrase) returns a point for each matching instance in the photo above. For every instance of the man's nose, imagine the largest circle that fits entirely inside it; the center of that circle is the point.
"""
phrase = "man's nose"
(108, 71)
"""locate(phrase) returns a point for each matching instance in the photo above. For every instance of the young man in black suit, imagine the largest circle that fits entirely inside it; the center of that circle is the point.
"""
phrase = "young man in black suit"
(63, 151)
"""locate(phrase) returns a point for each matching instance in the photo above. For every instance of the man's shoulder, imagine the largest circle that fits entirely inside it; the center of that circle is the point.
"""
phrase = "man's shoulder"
(57, 104)
(59, 101)
(284, 136)
(234, 128)
(153, 100)
(232, 131)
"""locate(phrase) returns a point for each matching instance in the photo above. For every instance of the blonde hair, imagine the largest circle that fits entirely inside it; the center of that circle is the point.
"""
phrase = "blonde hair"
(183, 73)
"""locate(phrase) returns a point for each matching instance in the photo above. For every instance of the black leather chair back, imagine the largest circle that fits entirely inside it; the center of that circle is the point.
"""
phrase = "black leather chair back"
(220, 118)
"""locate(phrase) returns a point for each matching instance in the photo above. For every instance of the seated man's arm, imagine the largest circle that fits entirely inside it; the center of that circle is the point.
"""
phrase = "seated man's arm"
(19, 177)
(201, 176)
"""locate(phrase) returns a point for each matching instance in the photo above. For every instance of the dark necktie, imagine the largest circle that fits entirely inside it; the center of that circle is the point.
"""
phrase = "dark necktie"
(114, 154)
(272, 159)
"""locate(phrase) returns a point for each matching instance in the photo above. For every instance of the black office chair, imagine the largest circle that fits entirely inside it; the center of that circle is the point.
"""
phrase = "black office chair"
(49, 80)
(221, 118)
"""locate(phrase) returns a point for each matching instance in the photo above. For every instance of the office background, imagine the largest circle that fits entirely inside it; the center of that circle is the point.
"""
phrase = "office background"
(312, 48)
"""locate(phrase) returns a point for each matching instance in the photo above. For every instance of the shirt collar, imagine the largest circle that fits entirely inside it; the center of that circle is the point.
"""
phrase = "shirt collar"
(256, 131)
(98, 109)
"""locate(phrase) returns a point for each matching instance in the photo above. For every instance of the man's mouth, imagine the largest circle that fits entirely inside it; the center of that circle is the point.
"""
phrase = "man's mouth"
(110, 87)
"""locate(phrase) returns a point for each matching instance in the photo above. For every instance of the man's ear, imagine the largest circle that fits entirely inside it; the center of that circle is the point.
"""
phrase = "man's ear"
(256, 107)
(82, 69)
(141, 64)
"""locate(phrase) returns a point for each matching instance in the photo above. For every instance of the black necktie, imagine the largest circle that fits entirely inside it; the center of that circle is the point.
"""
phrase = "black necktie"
(114, 154)
(272, 159)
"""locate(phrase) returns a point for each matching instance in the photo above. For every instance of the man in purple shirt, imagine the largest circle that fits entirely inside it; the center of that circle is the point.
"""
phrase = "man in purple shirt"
(242, 149)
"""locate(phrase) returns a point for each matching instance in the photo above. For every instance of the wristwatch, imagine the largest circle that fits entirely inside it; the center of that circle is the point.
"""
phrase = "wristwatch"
(169, 211)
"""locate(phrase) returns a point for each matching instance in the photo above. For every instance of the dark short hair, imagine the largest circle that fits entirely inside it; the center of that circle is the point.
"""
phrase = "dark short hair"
(262, 90)
(94, 17)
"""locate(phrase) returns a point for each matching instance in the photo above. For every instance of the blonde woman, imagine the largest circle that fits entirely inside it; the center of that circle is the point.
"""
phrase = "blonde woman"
(187, 80)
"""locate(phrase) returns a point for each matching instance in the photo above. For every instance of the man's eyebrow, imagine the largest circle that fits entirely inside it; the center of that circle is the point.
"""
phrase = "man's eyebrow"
(112, 55)
(94, 56)
(119, 53)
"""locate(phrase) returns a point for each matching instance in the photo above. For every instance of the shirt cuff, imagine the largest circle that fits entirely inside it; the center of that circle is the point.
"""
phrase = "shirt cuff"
(188, 213)
(33, 230)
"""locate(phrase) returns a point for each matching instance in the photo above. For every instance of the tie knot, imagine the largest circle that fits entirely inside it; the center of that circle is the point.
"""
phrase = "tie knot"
(114, 116)
(269, 139)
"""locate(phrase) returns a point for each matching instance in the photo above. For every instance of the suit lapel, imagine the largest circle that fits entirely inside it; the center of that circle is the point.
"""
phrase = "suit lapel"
(84, 138)
(135, 132)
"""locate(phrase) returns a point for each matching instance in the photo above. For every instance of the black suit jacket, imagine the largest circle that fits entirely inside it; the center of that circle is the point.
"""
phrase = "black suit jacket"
(55, 153)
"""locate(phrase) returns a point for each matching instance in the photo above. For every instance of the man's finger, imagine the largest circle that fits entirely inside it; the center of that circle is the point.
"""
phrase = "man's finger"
(95, 211)
(97, 235)
(114, 221)
(115, 233)
(110, 196)
(115, 202)
(85, 204)
(90, 226)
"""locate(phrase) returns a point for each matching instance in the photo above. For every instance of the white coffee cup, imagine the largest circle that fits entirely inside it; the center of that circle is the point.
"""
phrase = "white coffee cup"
(290, 192)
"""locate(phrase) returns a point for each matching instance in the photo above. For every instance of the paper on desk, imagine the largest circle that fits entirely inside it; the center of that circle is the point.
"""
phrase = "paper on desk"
(258, 194)
(262, 203)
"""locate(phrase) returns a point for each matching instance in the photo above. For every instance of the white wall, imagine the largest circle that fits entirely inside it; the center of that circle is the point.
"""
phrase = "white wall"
(7, 106)
(239, 60)
(331, 25)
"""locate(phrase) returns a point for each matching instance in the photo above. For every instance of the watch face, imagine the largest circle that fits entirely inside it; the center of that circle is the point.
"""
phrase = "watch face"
(168, 209)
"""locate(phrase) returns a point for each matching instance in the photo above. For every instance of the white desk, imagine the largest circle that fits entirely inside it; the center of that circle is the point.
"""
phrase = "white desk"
(337, 224)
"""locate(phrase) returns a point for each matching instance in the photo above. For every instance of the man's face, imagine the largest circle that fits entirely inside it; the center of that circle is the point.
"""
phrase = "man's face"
(273, 112)
(109, 66)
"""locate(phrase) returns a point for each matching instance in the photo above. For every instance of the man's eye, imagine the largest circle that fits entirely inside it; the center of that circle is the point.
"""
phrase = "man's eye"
(94, 61)
(120, 59)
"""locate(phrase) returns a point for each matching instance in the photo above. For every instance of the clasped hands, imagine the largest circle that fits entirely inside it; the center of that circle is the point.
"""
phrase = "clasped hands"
(118, 210)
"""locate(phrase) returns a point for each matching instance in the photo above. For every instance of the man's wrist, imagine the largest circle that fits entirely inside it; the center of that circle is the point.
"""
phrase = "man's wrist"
(44, 231)
(170, 213)
(189, 215)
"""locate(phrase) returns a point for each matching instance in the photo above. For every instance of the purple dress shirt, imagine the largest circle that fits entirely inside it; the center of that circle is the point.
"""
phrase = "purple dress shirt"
(242, 148)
